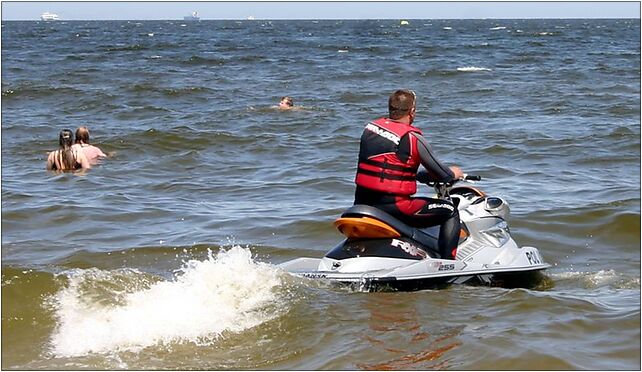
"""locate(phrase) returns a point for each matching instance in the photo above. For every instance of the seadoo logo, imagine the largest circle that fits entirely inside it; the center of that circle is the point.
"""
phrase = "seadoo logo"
(383, 133)
(440, 205)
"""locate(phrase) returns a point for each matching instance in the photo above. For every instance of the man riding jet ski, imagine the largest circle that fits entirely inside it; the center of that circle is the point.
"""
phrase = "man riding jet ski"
(390, 153)
(407, 242)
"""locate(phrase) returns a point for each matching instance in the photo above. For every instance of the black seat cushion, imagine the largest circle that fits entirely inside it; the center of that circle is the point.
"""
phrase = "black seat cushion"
(426, 236)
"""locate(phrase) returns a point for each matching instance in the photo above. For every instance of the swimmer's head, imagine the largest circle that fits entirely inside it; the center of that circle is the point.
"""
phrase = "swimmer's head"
(66, 138)
(286, 102)
(82, 135)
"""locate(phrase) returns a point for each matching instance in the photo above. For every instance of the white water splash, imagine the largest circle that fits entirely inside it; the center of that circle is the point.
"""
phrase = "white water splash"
(226, 293)
(472, 69)
(600, 278)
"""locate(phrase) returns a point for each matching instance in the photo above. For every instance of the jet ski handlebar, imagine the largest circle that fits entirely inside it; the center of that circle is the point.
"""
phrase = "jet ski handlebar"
(424, 177)
(443, 188)
(471, 178)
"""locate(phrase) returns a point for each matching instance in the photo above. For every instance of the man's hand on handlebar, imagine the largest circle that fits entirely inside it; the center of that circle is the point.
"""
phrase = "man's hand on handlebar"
(457, 171)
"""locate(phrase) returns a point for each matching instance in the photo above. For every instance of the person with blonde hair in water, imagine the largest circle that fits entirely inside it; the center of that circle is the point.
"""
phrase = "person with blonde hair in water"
(92, 153)
(286, 103)
(67, 158)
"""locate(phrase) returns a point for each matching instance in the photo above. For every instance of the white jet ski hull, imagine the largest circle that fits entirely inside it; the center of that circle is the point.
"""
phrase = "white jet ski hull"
(412, 274)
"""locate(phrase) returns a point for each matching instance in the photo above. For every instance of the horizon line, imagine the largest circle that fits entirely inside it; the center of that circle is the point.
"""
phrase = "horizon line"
(315, 19)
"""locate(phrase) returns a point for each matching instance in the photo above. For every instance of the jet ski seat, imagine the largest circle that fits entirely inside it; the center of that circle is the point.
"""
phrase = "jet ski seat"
(361, 210)
(427, 236)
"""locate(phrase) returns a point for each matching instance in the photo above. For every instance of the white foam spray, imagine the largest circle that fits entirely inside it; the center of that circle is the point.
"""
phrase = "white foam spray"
(601, 278)
(229, 292)
(472, 69)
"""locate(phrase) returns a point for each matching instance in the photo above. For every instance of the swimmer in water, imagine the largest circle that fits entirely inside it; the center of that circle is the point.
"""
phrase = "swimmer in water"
(286, 103)
(92, 153)
(67, 158)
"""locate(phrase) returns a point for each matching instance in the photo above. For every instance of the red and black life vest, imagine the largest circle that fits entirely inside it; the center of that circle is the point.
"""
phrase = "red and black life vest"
(382, 166)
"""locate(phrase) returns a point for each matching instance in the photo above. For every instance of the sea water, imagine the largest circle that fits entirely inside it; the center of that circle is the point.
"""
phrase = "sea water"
(164, 256)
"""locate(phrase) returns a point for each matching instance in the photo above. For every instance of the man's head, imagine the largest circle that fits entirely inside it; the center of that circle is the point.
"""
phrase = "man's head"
(82, 135)
(402, 103)
(286, 102)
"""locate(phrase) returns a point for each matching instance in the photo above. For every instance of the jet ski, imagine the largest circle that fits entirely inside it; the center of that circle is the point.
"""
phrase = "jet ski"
(380, 252)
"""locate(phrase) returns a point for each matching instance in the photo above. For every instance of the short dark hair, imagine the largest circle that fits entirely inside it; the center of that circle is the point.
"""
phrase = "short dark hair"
(400, 103)
(82, 135)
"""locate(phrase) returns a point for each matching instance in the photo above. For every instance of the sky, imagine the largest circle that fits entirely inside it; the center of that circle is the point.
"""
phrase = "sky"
(162, 10)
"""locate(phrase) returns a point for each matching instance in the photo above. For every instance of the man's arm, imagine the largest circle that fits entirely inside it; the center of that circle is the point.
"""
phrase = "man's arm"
(100, 152)
(437, 172)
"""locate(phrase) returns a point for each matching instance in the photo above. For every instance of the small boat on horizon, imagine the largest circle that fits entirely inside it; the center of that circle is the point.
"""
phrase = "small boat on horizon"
(46, 16)
(192, 17)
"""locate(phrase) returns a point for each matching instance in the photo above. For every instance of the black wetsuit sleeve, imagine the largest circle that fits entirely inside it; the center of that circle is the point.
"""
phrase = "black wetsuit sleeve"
(437, 172)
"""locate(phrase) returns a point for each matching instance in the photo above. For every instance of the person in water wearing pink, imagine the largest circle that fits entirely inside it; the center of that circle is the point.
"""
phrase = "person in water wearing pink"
(92, 153)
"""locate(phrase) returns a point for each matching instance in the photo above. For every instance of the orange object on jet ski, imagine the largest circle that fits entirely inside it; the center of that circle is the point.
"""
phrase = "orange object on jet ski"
(365, 227)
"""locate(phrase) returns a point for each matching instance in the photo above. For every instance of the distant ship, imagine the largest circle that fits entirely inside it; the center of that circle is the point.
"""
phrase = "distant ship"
(193, 17)
(46, 16)
(250, 18)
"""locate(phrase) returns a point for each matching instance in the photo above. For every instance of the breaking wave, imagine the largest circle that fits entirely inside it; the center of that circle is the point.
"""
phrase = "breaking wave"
(126, 310)
(598, 279)
(472, 69)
